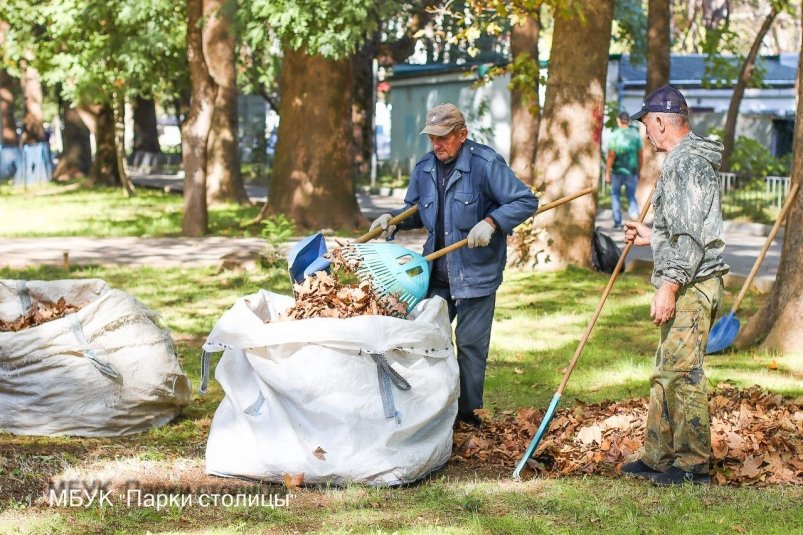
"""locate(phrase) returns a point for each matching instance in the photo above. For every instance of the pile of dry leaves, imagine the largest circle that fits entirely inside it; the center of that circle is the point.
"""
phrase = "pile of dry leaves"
(757, 438)
(322, 295)
(39, 313)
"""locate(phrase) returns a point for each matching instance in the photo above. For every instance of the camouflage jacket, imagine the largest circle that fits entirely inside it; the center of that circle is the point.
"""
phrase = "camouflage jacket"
(687, 233)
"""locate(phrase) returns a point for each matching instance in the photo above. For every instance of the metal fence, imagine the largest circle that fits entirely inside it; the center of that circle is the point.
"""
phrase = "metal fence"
(754, 198)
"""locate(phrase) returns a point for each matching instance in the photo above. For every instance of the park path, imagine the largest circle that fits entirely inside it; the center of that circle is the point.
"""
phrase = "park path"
(743, 243)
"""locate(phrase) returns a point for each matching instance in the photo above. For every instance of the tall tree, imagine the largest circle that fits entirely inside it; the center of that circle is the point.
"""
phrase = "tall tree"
(658, 61)
(569, 152)
(8, 132)
(312, 170)
(745, 74)
(224, 181)
(99, 53)
(780, 321)
(105, 168)
(312, 181)
(146, 133)
(33, 127)
(197, 126)
(76, 154)
(524, 105)
(391, 44)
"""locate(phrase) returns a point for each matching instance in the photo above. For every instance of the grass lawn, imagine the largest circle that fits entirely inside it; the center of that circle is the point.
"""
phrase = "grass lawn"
(539, 319)
(58, 210)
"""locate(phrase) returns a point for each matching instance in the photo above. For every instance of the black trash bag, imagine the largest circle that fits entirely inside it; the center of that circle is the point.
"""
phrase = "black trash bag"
(605, 253)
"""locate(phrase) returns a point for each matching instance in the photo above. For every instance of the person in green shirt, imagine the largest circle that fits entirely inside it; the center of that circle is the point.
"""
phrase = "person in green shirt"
(622, 167)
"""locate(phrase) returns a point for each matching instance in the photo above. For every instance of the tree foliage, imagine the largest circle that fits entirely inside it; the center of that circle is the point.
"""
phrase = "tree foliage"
(95, 49)
(330, 28)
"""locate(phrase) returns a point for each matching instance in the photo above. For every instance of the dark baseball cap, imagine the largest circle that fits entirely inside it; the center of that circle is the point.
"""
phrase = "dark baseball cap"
(665, 99)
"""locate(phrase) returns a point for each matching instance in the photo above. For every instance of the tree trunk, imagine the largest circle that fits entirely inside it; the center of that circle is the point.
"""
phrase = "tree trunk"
(658, 54)
(196, 127)
(118, 115)
(738, 91)
(780, 320)
(104, 170)
(146, 134)
(224, 181)
(362, 108)
(312, 181)
(76, 154)
(568, 157)
(8, 132)
(33, 125)
(524, 112)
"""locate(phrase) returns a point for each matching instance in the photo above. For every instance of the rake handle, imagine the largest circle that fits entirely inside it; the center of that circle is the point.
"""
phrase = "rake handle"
(371, 234)
(563, 200)
(763, 253)
(593, 321)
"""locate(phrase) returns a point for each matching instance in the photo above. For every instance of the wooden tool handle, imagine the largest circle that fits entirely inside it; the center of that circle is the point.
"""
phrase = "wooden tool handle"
(760, 259)
(457, 245)
(605, 293)
(370, 235)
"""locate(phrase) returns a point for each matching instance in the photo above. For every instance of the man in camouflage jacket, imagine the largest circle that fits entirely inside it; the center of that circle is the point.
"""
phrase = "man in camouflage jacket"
(687, 245)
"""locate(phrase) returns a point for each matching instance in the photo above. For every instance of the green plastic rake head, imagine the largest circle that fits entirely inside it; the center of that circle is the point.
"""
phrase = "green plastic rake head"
(391, 270)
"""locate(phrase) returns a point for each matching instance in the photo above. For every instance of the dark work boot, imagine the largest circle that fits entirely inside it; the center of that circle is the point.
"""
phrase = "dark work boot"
(637, 468)
(678, 476)
(470, 419)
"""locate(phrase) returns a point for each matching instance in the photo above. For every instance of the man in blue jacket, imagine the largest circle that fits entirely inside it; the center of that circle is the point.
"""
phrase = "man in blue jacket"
(465, 190)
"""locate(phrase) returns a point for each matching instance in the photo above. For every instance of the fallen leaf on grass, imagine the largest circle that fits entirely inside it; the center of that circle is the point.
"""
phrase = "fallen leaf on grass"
(293, 481)
(756, 438)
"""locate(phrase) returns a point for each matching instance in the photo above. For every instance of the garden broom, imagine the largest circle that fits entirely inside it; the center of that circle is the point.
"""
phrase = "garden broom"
(550, 412)
(393, 270)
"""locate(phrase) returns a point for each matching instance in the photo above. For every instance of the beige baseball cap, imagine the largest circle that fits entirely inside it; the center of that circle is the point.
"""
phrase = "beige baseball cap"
(442, 119)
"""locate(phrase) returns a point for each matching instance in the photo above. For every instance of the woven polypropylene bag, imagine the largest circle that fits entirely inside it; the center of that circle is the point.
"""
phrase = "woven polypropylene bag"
(108, 369)
(328, 397)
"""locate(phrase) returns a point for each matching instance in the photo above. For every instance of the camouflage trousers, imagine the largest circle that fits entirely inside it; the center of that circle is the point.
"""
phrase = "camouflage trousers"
(678, 427)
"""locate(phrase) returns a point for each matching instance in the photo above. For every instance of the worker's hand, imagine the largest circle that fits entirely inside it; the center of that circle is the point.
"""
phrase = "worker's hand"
(607, 178)
(382, 221)
(662, 308)
(638, 233)
(480, 234)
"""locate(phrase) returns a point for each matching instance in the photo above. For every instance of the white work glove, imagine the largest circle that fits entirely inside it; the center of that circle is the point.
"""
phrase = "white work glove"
(382, 221)
(480, 234)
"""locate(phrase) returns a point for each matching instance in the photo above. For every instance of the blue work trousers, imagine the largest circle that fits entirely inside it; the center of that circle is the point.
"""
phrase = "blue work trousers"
(473, 338)
(629, 182)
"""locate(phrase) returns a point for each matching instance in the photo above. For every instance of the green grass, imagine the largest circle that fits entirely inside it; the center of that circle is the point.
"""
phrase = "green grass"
(539, 319)
(58, 210)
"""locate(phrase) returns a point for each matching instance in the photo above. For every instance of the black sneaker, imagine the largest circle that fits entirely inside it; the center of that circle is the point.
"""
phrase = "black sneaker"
(676, 476)
(638, 468)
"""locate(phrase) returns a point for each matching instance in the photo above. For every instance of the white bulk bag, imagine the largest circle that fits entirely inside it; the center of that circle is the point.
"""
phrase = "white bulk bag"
(325, 397)
(108, 369)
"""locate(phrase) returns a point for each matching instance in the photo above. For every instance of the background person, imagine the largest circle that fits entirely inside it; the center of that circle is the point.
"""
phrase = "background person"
(687, 246)
(622, 167)
(465, 190)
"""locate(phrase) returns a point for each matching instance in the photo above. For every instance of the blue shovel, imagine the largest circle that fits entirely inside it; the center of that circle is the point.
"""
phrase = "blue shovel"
(724, 331)
(550, 411)
(306, 257)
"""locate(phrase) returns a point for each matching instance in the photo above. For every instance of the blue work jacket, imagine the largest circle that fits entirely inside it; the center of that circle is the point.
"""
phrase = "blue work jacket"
(481, 185)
